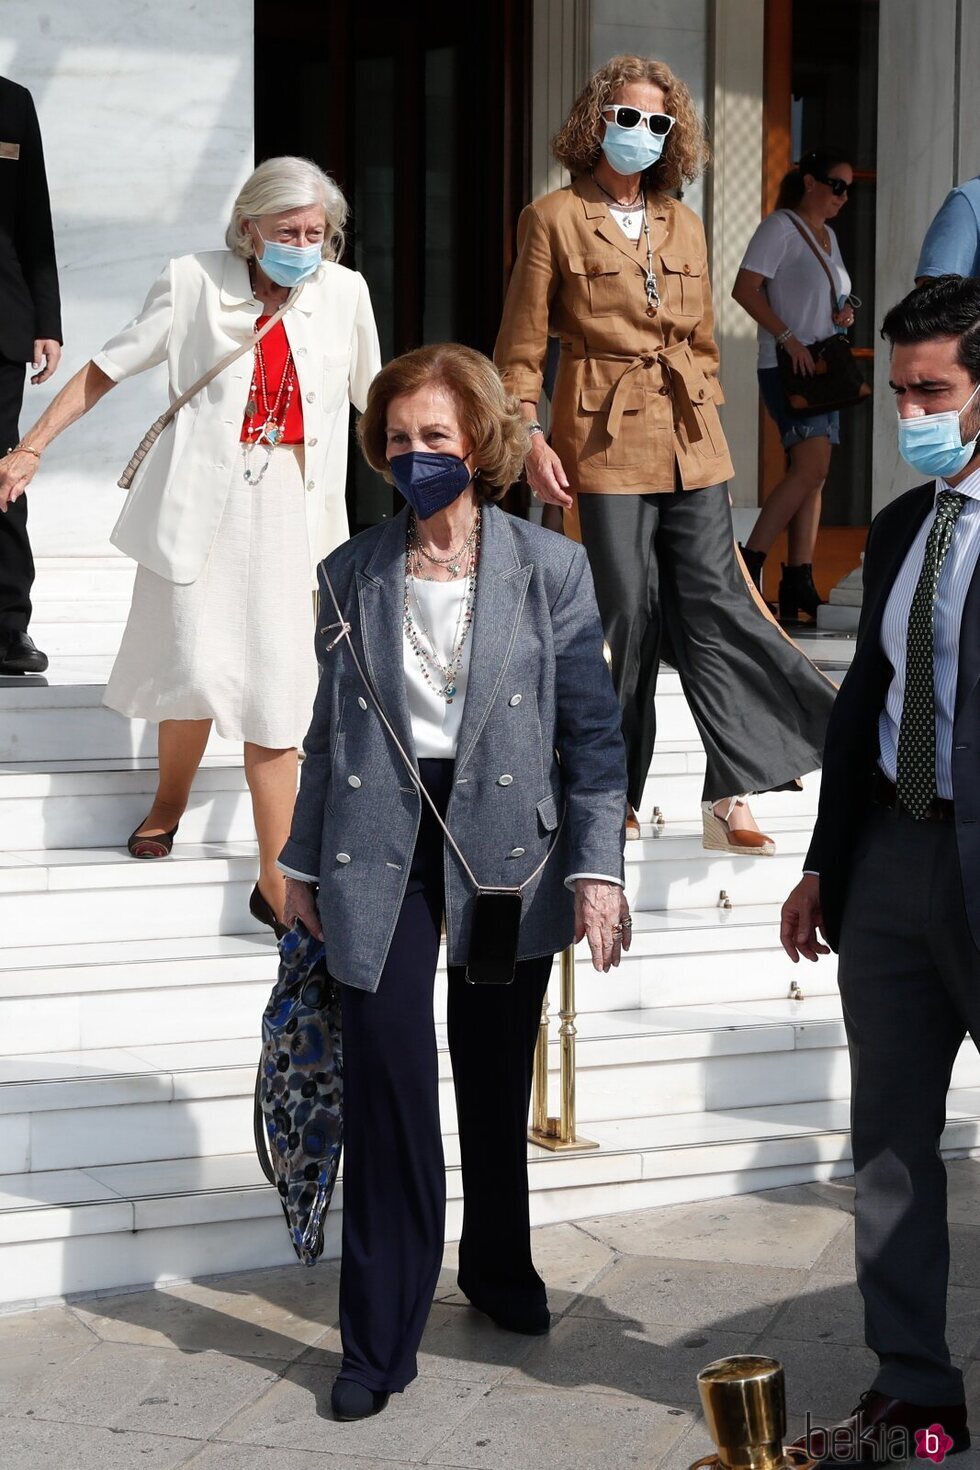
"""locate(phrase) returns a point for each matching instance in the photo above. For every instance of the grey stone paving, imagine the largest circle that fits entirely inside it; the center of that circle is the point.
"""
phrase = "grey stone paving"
(234, 1373)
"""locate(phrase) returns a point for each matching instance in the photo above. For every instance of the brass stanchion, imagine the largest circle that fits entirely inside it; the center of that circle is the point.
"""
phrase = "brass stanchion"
(744, 1402)
(558, 1134)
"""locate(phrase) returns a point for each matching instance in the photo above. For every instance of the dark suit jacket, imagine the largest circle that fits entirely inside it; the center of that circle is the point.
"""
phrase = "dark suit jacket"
(851, 750)
(30, 306)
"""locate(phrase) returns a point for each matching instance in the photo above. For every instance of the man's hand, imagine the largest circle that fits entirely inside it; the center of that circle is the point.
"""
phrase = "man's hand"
(601, 909)
(301, 904)
(801, 918)
(48, 350)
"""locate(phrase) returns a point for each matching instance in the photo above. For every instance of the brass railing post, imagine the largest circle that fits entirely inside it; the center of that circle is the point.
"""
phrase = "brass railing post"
(558, 1133)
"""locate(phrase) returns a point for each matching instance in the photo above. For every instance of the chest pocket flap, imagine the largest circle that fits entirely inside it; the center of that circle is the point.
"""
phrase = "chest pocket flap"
(599, 274)
(682, 281)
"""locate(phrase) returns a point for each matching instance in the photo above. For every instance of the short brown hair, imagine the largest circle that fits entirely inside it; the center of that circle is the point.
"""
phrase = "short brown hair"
(489, 416)
(577, 144)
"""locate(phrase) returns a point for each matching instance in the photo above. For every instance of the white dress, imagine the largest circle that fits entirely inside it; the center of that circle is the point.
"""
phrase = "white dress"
(236, 645)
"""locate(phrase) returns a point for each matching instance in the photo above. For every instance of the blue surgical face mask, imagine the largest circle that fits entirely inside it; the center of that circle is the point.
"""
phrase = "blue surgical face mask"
(631, 150)
(429, 482)
(287, 265)
(932, 443)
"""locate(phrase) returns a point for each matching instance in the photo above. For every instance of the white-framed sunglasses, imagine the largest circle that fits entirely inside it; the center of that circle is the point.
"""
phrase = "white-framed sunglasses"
(659, 123)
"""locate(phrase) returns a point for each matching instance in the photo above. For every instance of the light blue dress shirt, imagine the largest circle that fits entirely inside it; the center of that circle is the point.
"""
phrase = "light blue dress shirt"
(952, 243)
(954, 584)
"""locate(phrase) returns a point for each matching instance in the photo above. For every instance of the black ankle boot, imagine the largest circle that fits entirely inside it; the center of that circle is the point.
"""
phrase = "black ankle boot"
(797, 594)
(754, 562)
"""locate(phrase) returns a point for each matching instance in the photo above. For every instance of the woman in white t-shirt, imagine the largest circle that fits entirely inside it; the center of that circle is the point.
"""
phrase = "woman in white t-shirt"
(783, 286)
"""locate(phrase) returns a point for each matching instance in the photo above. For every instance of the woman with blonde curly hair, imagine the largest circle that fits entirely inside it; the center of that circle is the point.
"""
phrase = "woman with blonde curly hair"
(615, 267)
(481, 639)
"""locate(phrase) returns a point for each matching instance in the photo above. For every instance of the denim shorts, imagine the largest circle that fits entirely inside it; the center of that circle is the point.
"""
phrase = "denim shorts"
(794, 427)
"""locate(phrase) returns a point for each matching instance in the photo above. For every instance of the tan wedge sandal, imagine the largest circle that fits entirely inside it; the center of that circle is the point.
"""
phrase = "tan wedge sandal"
(719, 837)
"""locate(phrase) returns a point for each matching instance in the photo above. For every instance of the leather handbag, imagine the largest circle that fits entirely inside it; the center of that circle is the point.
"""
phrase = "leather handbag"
(298, 1116)
(153, 433)
(838, 381)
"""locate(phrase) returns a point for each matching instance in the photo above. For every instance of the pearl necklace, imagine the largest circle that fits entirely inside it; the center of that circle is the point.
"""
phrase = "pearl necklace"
(420, 638)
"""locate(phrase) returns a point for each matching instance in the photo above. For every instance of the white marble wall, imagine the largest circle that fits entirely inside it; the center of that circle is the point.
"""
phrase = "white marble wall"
(928, 139)
(146, 115)
(734, 211)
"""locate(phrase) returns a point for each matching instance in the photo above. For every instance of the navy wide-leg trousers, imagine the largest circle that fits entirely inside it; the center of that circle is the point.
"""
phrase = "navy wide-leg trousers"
(394, 1169)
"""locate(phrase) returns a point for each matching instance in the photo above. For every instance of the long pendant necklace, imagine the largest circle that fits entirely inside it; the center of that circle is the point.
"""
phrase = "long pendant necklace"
(650, 279)
(653, 295)
(267, 415)
(420, 639)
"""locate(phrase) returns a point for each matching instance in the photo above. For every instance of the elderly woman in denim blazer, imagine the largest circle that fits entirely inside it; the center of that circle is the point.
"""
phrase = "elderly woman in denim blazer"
(481, 641)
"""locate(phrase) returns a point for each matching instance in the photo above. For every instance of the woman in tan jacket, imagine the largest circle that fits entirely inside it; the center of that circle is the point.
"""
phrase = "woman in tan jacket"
(616, 269)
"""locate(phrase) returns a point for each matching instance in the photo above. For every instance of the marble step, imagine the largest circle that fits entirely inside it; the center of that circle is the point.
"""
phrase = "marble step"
(84, 1230)
(194, 1099)
(93, 894)
(83, 578)
(59, 634)
(94, 803)
(60, 716)
(125, 993)
(89, 803)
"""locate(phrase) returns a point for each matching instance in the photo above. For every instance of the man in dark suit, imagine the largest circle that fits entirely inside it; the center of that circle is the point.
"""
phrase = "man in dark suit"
(30, 331)
(892, 878)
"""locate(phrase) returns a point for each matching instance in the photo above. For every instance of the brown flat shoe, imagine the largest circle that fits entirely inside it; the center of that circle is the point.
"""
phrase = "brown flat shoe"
(632, 825)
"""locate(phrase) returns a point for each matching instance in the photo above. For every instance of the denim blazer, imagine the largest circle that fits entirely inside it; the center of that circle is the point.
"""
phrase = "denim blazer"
(540, 732)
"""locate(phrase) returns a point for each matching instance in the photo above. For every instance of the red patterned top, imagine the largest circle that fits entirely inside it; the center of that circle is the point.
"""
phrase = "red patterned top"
(275, 350)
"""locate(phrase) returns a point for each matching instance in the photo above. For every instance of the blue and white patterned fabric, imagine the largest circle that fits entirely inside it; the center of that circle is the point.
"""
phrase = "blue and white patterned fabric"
(954, 584)
(299, 1090)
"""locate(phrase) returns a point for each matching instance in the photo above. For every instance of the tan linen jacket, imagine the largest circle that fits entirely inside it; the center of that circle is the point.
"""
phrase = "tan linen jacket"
(635, 394)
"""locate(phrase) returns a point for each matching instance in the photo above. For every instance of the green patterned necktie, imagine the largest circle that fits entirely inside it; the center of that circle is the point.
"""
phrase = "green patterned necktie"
(916, 774)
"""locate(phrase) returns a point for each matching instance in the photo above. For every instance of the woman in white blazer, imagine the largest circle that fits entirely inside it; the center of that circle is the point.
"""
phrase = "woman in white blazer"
(232, 511)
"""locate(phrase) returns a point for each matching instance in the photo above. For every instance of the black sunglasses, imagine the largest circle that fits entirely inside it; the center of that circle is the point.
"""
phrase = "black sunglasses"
(659, 123)
(837, 187)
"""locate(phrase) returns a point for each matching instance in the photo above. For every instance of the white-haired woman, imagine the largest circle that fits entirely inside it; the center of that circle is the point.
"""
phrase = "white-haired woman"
(229, 533)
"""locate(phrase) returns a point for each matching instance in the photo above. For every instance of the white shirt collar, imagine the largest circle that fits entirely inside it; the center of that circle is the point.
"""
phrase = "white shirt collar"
(970, 486)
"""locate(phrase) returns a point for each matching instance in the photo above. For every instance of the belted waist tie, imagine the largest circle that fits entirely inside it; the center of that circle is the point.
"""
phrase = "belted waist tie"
(675, 380)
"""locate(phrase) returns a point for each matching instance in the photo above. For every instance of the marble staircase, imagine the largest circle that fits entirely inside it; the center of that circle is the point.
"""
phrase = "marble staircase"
(130, 996)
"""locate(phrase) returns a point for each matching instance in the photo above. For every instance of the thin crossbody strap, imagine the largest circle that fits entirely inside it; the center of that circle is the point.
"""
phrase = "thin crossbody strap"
(157, 427)
(821, 256)
(344, 634)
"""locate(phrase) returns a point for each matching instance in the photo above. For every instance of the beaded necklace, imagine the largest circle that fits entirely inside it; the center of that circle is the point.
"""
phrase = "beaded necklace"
(267, 414)
(420, 639)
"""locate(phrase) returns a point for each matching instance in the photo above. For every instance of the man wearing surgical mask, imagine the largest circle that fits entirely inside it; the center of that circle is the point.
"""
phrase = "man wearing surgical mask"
(892, 878)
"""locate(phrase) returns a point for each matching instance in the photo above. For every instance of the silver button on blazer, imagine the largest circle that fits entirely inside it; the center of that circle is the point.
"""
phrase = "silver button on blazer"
(536, 628)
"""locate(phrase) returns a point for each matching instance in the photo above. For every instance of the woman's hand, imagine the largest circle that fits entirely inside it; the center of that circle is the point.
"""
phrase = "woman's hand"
(844, 317)
(17, 470)
(600, 910)
(545, 475)
(301, 904)
(800, 357)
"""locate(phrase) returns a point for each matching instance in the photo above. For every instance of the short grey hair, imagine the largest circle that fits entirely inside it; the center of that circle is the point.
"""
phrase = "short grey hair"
(281, 184)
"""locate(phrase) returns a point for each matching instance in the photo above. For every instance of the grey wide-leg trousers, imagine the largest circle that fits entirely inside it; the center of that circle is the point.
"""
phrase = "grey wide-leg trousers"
(910, 985)
(665, 569)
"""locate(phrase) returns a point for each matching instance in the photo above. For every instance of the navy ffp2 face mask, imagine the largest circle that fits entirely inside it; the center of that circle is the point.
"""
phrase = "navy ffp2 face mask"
(429, 482)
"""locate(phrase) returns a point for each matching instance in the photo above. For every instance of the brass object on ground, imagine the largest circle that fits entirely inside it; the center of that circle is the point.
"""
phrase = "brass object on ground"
(558, 1134)
(744, 1402)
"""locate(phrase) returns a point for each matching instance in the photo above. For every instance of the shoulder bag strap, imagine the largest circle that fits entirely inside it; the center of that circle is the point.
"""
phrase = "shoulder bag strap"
(344, 634)
(821, 256)
(158, 425)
